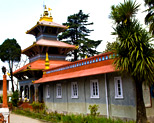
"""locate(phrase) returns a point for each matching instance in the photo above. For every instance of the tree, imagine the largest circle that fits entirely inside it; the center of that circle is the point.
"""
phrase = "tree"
(135, 53)
(10, 51)
(149, 19)
(111, 46)
(77, 34)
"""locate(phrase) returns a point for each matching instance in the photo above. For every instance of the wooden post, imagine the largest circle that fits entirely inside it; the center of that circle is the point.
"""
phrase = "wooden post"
(5, 105)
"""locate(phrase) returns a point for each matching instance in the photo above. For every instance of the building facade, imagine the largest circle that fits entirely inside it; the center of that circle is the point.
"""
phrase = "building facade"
(70, 87)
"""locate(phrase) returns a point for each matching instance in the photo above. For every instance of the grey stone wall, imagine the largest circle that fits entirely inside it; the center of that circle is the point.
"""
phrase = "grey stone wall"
(117, 107)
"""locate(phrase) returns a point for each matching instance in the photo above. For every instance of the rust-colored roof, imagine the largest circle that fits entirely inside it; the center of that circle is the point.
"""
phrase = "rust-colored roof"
(47, 23)
(50, 43)
(40, 65)
(81, 73)
(52, 24)
(91, 66)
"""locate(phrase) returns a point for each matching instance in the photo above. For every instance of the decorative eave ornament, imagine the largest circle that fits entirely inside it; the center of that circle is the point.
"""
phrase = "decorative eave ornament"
(47, 62)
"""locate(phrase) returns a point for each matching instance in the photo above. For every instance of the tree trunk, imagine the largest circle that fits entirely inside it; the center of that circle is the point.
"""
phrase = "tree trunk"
(12, 80)
(11, 74)
(140, 106)
(75, 55)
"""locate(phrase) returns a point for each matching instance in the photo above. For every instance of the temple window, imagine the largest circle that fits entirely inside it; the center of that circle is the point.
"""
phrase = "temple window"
(94, 87)
(74, 90)
(118, 87)
(59, 91)
(48, 91)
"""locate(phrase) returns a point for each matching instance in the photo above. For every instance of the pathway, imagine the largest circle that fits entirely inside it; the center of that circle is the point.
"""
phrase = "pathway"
(14, 118)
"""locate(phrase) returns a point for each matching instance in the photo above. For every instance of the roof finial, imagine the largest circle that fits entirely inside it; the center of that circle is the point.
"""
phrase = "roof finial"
(45, 12)
(47, 61)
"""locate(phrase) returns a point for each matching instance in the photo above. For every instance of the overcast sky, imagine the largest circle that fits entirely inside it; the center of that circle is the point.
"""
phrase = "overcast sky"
(18, 16)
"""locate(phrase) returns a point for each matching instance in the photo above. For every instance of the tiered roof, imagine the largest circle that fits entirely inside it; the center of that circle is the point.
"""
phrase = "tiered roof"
(45, 32)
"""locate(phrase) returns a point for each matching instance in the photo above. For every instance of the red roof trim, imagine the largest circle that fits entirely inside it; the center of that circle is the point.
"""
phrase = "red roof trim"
(98, 65)
(76, 74)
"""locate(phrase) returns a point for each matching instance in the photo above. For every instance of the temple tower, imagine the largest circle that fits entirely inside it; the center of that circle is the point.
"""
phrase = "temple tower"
(45, 53)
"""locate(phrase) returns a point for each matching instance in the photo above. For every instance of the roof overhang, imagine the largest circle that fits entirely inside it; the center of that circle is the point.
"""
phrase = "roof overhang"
(50, 43)
(48, 24)
(77, 74)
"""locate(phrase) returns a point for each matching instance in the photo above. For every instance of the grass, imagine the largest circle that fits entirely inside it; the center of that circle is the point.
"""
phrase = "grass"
(55, 117)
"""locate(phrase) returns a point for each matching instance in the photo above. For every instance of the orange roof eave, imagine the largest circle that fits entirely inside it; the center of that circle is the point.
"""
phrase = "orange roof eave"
(39, 65)
(14, 73)
(28, 31)
(35, 44)
(76, 74)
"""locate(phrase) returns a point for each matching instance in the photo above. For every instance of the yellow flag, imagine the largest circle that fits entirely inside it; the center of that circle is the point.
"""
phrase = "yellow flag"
(49, 9)
(8, 74)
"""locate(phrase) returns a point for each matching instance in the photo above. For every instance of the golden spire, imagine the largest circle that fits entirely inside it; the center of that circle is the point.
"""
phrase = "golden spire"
(46, 16)
(47, 61)
(45, 12)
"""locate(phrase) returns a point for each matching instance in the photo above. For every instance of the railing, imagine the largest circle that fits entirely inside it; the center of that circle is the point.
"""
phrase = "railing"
(98, 58)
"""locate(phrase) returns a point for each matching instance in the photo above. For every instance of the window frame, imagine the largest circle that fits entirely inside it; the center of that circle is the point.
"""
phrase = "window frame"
(72, 91)
(117, 95)
(91, 89)
(48, 91)
(57, 90)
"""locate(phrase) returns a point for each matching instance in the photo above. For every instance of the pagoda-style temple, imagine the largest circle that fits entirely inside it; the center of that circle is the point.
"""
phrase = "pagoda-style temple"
(46, 52)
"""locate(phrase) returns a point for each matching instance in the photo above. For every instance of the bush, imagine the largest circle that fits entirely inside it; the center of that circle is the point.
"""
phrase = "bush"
(93, 110)
(15, 98)
(37, 107)
(55, 117)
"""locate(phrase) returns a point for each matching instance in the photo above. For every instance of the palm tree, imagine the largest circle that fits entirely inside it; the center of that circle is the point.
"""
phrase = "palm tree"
(135, 53)
(149, 19)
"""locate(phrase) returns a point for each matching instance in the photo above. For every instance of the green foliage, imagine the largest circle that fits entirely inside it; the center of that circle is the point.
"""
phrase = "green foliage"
(10, 51)
(123, 13)
(55, 117)
(37, 107)
(77, 34)
(111, 46)
(1, 99)
(93, 110)
(134, 49)
(149, 19)
(15, 98)
(135, 53)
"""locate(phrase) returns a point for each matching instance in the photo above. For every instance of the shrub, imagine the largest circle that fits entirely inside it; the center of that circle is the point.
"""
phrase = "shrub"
(55, 117)
(93, 110)
(37, 107)
(1, 99)
(15, 98)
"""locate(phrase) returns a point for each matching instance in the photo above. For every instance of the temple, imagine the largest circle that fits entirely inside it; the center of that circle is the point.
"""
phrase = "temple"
(46, 52)
(70, 87)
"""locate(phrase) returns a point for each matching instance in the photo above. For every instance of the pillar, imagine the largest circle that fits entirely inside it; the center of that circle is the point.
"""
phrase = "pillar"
(5, 105)
(36, 92)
